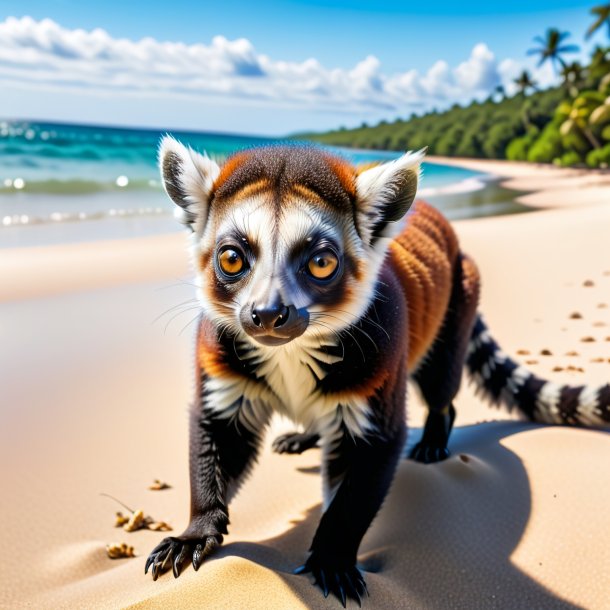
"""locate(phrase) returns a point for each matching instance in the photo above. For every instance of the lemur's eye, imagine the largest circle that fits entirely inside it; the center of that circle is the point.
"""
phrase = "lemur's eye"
(231, 261)
(323, 264)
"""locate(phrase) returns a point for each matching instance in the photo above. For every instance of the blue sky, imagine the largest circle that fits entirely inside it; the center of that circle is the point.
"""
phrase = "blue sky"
(300, 65)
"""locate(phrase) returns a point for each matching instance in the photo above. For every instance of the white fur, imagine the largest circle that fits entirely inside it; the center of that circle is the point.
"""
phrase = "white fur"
(547, 403)
(519, 376)
(288, 386)
(197, 176)
(588, 408)
(196, 180)
(287, 371)
(376, 189)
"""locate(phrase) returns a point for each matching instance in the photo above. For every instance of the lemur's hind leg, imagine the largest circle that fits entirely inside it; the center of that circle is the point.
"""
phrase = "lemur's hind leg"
(440, 374)
(295, 442)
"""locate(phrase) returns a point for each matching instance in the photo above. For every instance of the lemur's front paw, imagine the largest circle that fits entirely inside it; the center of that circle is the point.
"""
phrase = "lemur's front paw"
(343, 581)
(175, 551)
(294, 442)
(428, 453)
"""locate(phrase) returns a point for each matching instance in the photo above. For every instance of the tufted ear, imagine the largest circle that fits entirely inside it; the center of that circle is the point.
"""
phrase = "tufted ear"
(385, 194)
(188, 178)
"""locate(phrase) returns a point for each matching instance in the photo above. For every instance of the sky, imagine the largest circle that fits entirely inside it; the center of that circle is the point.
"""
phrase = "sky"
(268, 67)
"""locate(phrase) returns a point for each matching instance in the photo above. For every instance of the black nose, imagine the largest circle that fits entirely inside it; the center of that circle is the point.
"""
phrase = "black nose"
(270, 317)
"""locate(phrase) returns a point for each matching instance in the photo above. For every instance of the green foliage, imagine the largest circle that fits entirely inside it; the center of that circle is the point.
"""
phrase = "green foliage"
(518, 148)
(482, 129)
(599, 157)
(552, 48)
(569, 158)
(583, 120)
(449, 142)
(498, 138)
(599, 68)
(576, 141)
(602, 16)
(548, 146)
(469, 146)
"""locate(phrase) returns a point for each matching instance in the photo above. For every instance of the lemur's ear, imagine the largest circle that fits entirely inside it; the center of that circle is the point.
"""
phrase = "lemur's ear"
(188, 178)
(385, 194)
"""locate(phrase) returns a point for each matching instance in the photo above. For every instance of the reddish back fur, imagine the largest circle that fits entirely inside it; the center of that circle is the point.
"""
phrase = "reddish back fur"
(423, 256)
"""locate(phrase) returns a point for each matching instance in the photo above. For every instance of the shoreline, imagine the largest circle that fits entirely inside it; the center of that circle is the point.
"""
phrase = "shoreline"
(82, 265)
(37, 218)
(543, 186)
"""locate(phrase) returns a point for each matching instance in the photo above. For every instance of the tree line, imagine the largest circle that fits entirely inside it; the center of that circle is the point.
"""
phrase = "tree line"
(566, 125)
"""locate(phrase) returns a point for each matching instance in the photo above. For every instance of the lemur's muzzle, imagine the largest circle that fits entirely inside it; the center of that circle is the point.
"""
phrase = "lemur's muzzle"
(274, 324)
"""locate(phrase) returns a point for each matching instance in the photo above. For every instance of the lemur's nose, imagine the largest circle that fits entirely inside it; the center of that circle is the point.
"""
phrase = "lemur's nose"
(270, 317)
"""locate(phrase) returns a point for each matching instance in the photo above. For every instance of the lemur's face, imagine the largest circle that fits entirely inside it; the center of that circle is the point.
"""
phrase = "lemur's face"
(287, 240)
(280, 264)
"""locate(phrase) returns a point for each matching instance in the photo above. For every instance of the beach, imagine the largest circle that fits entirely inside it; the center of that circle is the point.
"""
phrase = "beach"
(97, 376)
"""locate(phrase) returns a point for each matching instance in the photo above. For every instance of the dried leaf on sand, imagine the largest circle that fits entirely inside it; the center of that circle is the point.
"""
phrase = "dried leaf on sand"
(158, 485)
(138, 520)
(119, 550)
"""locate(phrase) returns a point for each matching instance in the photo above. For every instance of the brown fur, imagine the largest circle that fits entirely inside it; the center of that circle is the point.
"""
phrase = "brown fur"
(331, 179)
(423, 256)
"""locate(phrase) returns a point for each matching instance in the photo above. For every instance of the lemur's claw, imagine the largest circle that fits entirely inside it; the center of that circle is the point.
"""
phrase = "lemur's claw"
(294, 442)
(178, 549)
(343, 582)
(340, 589)
(429, 454)
(321, 582)
(178, 560)
(197, 557)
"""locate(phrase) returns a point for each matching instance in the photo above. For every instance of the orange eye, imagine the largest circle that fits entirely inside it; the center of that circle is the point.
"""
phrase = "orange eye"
(231, 261)
(323, 264)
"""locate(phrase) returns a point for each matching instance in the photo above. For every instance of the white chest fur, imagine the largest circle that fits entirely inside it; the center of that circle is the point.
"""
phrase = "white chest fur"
(288, 384)
(293, 373)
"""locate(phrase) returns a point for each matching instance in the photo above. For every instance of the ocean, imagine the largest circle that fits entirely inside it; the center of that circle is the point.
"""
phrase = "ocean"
(62, 183)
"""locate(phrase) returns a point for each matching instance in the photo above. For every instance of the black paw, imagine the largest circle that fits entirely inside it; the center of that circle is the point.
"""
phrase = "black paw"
(294, 442)
(175, 551)
(343, 582)
(428, 453)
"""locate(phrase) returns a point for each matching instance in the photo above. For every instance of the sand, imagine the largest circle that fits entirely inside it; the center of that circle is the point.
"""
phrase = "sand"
(95, 394)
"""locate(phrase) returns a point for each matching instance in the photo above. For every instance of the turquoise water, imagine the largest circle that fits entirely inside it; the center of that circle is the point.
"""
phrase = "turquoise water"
(97, 182)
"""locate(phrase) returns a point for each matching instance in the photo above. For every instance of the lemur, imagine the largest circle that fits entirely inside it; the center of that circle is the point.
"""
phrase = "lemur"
(322, 288)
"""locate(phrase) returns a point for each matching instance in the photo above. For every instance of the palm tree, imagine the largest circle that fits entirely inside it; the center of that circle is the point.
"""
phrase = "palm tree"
(525, 82)
(552, 47)
(600, 117)
(573, 77)
(582, 114)
(500, 92)
(602, 14)
(599, 66)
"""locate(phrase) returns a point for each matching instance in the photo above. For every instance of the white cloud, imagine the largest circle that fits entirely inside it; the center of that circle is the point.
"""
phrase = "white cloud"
(544, 76)
(480, 71)
(42, 54)
(439, 82)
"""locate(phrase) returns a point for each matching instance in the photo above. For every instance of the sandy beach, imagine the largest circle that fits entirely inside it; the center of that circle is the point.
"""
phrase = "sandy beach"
(97, 376)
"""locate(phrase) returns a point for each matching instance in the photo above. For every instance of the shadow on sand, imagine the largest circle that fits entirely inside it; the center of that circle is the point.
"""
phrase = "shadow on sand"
(444, 537)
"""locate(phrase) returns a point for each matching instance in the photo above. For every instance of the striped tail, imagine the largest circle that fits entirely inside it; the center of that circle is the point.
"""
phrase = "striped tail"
(505, 382)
